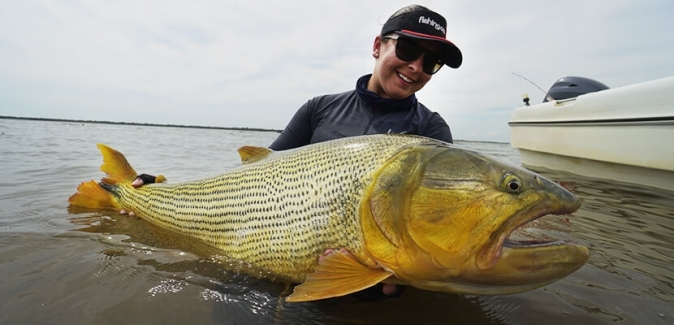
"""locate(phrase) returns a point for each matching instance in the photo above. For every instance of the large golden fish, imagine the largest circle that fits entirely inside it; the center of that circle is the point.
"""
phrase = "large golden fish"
(410, 210)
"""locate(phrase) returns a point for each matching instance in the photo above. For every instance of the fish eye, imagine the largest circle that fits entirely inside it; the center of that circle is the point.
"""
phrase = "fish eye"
(512, 183)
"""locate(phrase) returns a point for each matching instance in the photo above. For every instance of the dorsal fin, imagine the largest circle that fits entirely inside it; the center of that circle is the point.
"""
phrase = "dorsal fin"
(251, 154)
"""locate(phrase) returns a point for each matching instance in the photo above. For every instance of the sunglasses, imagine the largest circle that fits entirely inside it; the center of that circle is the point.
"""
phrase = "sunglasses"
(409, 50)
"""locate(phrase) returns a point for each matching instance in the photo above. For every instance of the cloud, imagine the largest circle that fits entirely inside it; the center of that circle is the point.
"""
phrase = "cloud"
(245, 64)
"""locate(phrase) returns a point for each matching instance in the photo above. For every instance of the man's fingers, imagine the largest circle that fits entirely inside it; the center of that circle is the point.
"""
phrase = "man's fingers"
(147, 179)
(137, 182)
(389, 289)
(143, 179)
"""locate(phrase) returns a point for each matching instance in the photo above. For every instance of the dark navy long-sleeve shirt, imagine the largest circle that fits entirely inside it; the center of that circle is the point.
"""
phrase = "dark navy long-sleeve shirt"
(347, 114)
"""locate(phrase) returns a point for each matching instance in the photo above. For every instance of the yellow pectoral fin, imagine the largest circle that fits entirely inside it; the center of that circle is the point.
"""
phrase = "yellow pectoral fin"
(337, 274)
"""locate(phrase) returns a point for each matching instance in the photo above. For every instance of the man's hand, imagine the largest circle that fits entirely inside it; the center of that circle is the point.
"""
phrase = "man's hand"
(141, 180)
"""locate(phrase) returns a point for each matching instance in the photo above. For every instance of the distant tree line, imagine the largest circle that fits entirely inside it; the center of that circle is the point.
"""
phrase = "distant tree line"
(138, 124)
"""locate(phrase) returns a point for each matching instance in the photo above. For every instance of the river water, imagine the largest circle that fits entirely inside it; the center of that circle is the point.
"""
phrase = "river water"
(59, 266)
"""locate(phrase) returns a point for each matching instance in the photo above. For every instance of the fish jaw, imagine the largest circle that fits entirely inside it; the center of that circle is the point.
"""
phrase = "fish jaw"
(443, 224)
(506, 265)
(530, 266)
(548, 199)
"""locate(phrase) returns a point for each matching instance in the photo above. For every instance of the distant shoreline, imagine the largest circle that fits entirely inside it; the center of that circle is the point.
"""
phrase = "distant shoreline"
(167, 125)
(139, 124)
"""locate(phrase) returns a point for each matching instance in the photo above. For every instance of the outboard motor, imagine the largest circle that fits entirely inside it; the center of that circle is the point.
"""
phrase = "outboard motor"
(570, 87)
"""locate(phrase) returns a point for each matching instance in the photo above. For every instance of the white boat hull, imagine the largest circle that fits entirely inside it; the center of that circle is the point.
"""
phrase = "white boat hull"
(624, 134)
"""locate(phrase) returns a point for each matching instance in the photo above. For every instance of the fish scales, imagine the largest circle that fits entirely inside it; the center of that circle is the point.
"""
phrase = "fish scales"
(279, 213)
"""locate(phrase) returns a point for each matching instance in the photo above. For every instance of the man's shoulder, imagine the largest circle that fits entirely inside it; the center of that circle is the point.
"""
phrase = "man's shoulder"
(432, 125)
(423, 109)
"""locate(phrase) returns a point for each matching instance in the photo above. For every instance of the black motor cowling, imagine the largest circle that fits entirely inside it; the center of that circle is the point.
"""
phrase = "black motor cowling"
(569, 87)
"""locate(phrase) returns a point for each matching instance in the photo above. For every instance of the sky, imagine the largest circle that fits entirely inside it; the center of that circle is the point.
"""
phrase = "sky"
(253, 64)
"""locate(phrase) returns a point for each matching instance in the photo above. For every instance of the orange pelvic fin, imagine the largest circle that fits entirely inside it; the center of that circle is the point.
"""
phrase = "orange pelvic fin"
(337, 274)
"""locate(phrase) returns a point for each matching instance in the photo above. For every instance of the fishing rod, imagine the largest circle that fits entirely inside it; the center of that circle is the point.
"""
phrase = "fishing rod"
(525, 97)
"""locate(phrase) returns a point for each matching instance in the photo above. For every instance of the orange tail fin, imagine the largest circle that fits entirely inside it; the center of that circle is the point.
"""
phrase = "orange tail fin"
(115, 166)
(117, 170)
(91, 195)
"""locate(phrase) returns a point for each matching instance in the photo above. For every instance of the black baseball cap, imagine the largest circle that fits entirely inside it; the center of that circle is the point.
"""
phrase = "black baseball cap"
(425, 25)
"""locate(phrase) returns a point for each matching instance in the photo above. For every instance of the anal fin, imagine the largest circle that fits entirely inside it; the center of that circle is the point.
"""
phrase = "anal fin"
(337, 274)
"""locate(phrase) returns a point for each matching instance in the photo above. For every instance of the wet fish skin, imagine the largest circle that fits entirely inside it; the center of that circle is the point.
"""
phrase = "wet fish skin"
(279, 211)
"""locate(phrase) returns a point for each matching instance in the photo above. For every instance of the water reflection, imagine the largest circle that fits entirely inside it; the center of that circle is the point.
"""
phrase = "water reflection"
(133, 244)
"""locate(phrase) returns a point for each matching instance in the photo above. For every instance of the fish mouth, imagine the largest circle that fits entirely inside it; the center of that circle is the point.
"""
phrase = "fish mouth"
(519, 235)
(520, 259)
(530, 236)
(513, 234)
